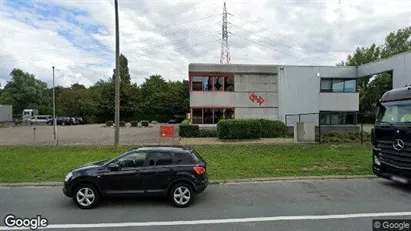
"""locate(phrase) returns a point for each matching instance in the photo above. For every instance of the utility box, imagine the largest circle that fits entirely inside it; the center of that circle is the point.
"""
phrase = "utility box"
(6, 113)
(304, 132)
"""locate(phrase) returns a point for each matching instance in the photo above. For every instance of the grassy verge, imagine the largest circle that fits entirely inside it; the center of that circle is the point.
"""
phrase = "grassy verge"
(49, 163)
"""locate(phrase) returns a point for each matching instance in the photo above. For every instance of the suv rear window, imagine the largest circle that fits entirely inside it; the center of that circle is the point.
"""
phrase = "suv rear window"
(183, 158)
(197, 156)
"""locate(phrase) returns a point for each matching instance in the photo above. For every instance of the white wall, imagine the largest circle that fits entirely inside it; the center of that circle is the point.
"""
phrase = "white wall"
(400, 64)
(339, 101)
(299, 90)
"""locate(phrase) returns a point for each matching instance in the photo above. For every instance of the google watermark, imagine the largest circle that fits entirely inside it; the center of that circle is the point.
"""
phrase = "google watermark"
(401, 225)
(32, 223)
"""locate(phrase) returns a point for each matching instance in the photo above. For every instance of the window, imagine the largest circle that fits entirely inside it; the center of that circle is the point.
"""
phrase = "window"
(160, 158)
(211, 115)
(338, 118)
(183, 158)
(197, 115)
(133, 160)
(338, 85)
(208, 115)
(394, 112)
(212, 83)
(350, 86)
(326, 85)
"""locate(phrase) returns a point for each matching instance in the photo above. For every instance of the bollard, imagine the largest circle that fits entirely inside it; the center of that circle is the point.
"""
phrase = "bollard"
(34, 134)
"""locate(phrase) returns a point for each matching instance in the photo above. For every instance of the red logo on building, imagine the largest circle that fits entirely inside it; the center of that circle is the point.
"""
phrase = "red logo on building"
(256, 99)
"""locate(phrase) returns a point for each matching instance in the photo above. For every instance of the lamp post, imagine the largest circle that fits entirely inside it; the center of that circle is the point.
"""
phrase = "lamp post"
(54, 112)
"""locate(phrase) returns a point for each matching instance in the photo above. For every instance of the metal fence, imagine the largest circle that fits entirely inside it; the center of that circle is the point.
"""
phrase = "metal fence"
(357, 129)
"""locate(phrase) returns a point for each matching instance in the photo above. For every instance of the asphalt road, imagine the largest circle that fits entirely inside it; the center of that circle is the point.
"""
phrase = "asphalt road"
(305, 205)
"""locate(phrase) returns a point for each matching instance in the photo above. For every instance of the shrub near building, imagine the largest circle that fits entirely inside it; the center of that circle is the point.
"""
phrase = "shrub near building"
(272, 128)
(239, 129)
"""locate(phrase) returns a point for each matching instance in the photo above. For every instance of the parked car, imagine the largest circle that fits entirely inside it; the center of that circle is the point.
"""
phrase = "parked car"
(80, 120)
(174, 171)
(60, 121)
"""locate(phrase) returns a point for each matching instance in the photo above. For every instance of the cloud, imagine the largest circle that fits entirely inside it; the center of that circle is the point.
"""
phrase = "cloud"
(163, 37)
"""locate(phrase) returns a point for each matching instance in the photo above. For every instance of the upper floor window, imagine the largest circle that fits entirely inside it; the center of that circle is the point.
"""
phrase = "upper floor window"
(338, 85)
(212, 83)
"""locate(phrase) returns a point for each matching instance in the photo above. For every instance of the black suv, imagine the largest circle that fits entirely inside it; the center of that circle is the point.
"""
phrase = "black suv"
(174, 171)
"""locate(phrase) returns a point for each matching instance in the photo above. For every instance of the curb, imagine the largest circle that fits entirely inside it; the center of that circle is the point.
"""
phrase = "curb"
(232, 181)
(288, 179)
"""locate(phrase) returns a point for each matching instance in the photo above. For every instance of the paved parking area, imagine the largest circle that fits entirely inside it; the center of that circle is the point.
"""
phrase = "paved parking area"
(93, 134)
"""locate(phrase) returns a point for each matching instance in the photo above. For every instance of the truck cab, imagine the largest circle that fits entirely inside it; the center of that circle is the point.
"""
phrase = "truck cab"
(29, 113)
(391, 136)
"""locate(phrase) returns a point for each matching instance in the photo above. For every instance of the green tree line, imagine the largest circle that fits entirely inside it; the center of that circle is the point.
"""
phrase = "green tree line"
(155, 99)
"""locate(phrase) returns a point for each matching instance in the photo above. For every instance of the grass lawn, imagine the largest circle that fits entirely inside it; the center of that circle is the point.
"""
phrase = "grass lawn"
(50, 163)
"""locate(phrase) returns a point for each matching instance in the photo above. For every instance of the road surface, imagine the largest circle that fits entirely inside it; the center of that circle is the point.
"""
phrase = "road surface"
(305, 205)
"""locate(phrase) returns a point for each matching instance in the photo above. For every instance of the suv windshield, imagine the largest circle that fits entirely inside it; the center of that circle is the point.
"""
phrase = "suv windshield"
(394, 112)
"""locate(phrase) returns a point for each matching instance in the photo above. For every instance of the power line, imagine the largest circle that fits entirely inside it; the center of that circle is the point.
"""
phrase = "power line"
(264, 46)
(290, 47)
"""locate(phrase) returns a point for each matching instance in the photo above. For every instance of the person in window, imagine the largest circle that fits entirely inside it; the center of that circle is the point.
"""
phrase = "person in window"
(406, 118)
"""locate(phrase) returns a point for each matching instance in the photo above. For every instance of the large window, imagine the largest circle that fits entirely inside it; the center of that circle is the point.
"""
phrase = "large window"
(211, 115)
(394, 112)
(212, 83)
(338, 85)
(160, 158)
(338, 118)
(132, 160)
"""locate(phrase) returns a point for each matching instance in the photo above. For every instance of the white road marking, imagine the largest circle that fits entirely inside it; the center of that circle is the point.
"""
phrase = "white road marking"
(218, 221)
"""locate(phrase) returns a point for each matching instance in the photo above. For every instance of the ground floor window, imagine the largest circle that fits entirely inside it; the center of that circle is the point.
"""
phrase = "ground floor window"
(211, 115)
(338, 118)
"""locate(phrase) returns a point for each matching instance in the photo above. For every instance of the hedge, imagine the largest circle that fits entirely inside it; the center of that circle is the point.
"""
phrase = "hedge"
(134, 123)
(272, 128)
(122, 123)
(189, 130)
(239, 129)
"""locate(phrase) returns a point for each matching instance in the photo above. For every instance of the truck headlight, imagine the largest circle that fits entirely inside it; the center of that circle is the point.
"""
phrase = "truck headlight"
(68, 176)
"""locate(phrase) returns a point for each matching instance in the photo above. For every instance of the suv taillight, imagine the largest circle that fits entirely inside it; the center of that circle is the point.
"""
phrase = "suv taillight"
(199, 170)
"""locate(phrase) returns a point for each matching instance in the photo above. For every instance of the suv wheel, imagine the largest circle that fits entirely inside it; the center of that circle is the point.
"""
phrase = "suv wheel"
(86, 196)
(181, 195)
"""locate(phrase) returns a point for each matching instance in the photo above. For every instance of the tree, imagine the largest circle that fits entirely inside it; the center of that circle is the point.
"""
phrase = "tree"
(25, 91)
(127, 94)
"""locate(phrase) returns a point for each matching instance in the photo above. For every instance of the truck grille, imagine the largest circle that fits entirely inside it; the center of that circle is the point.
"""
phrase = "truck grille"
(399, 159)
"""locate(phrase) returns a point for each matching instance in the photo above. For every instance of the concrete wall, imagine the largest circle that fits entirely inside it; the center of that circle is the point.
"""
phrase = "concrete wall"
(338, 101)
(260, 80)
(399, 64)
(299, 91)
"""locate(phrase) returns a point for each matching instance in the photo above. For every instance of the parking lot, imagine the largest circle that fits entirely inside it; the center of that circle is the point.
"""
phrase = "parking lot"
(93, 134)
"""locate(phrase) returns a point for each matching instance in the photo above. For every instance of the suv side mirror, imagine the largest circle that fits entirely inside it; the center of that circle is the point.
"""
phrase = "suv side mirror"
(113, 166)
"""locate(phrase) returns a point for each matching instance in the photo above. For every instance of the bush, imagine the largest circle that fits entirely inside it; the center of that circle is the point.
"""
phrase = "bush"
(186, 122)
(345, 137)
(134, 123)
(189, 130)
(207, 133)
(239, 129)
(272, 128)
(109, 123)
(144, 123)
(122, 123)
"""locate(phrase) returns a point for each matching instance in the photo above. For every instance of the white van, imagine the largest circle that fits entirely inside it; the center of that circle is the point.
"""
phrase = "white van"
(28, 114)
(40, 119)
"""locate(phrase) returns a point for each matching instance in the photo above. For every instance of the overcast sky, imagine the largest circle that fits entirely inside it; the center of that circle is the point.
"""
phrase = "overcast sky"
(163, 37)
